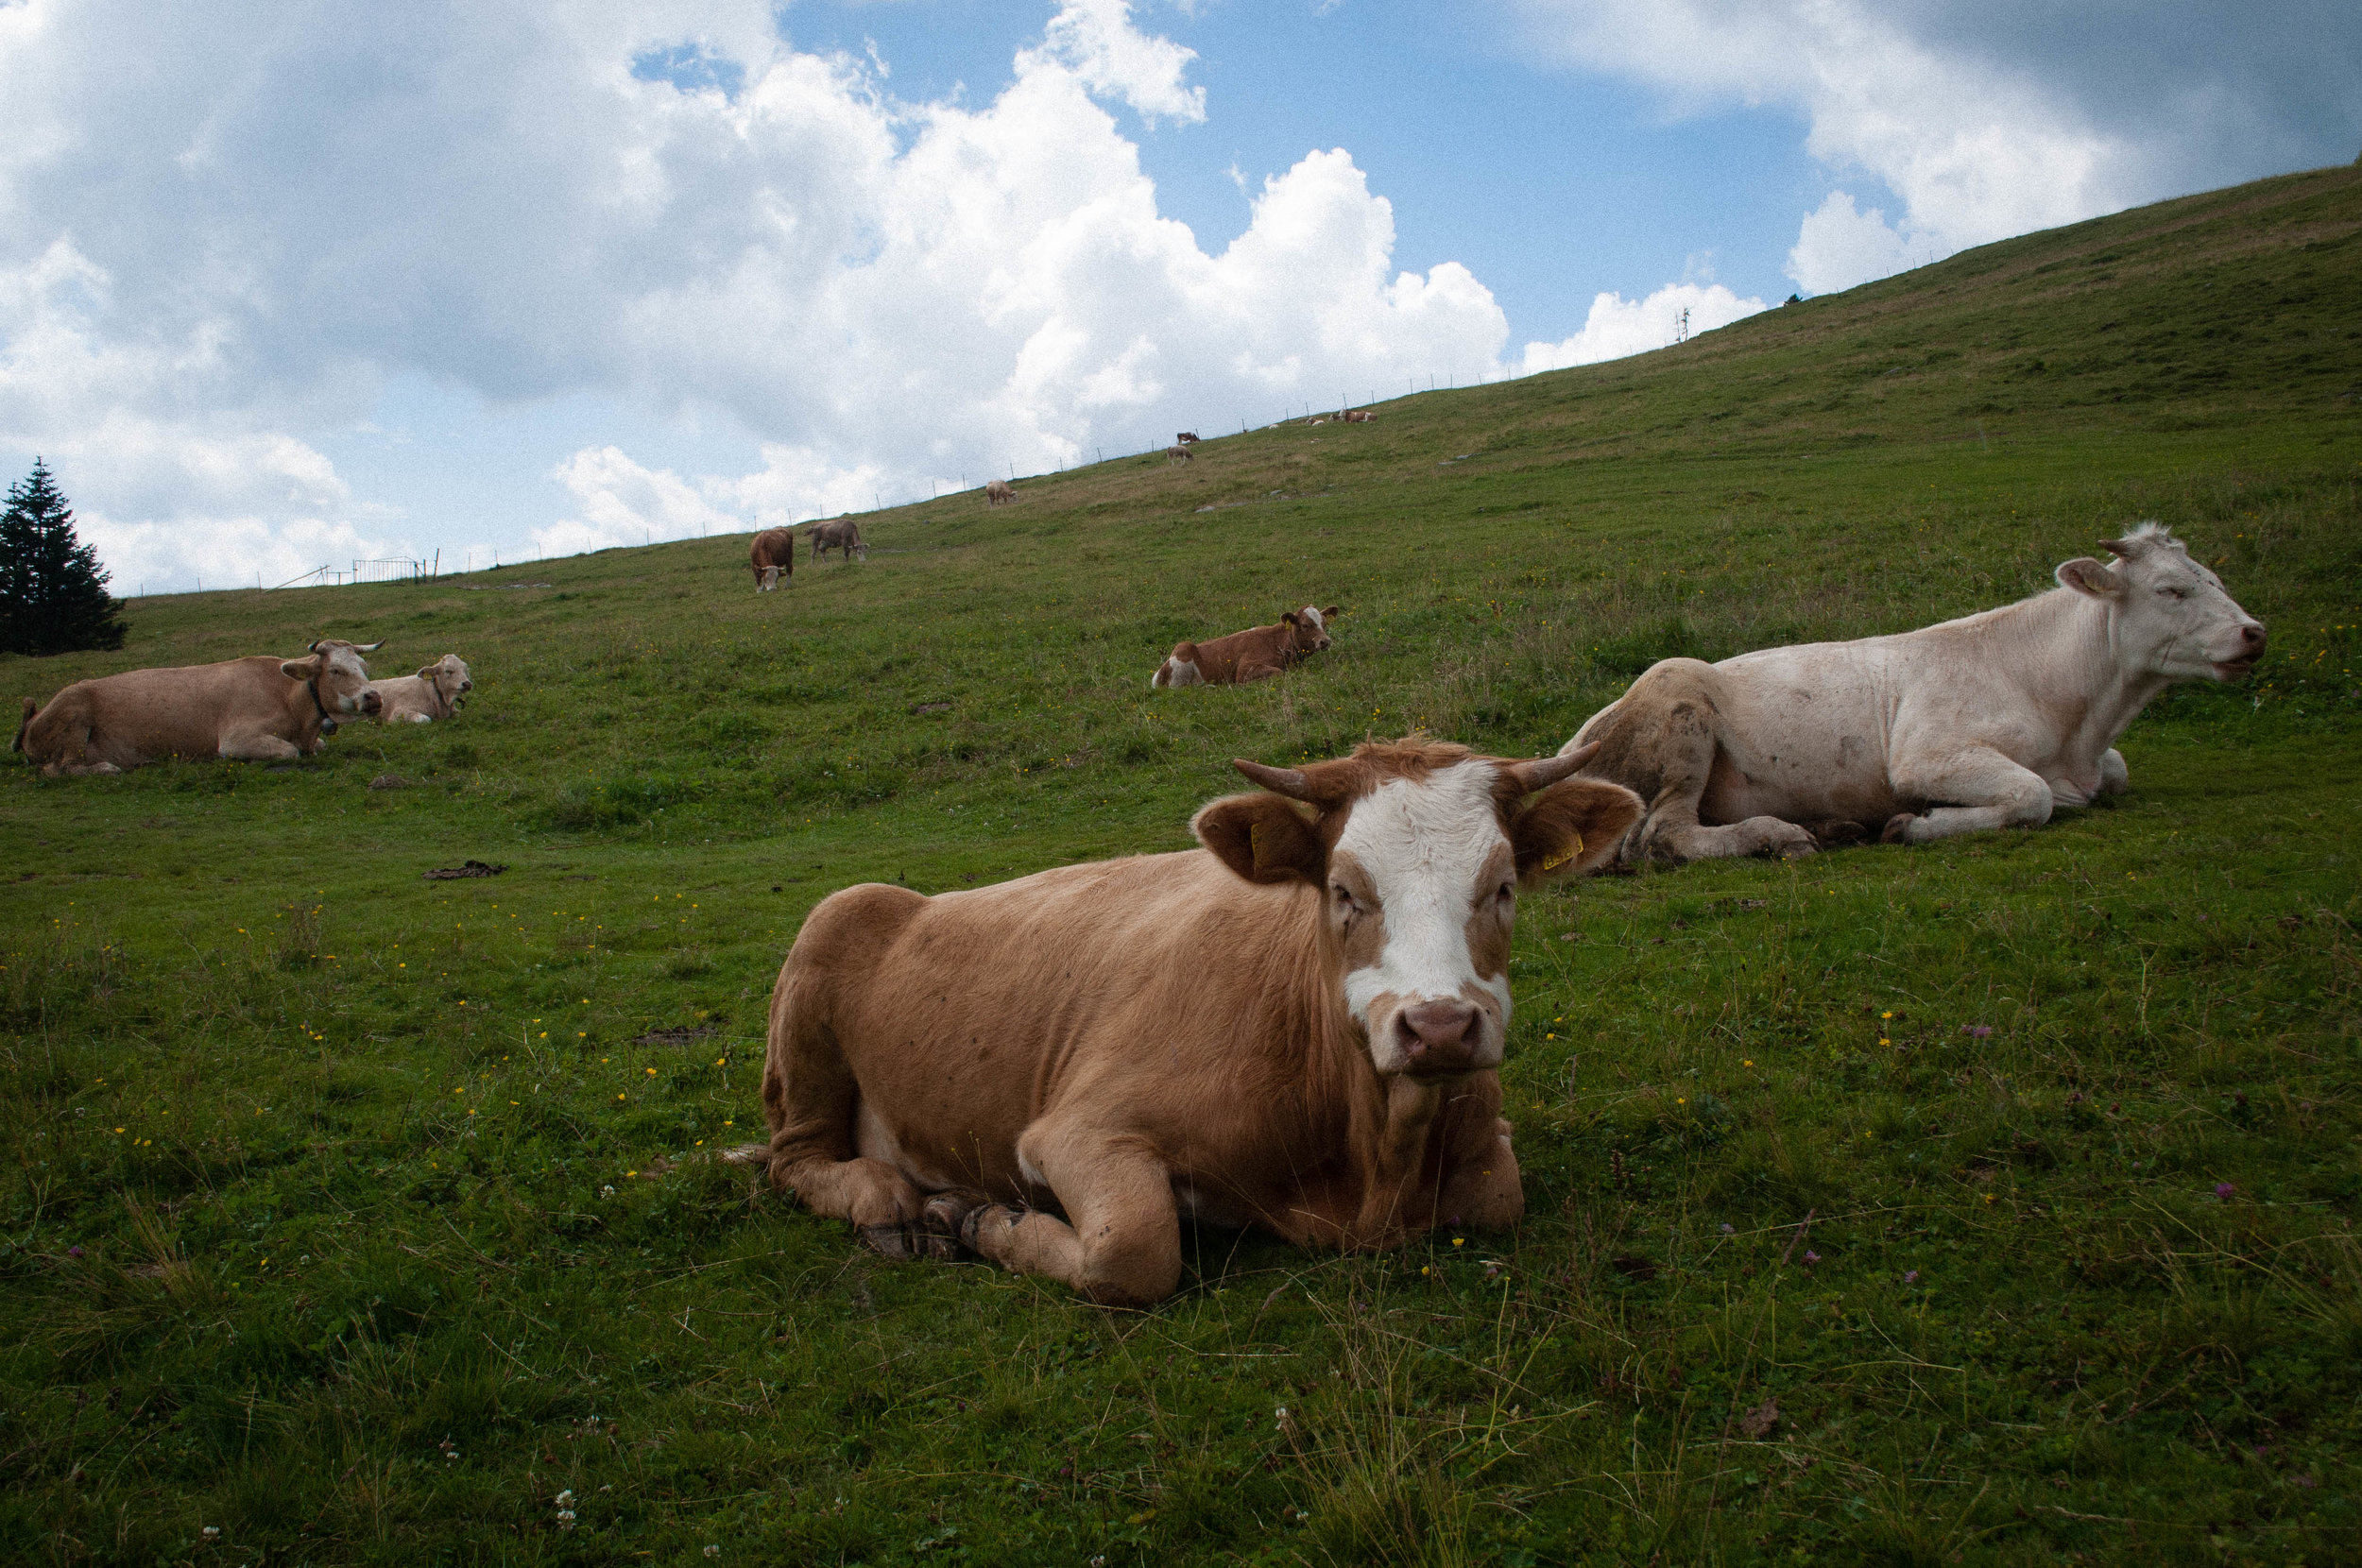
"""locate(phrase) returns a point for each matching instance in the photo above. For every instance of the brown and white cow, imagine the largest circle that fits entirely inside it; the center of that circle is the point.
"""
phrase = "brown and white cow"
(998, 490)
(248, 709)
(1252, 654)
(1990, 721)
(772, 555)
(842, 534)
(1297, 1027)
(433, 693)
(1186, 438)
(1357, 415)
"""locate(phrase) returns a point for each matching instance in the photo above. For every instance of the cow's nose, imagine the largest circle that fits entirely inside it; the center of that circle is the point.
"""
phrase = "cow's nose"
(1441, 1036)
(371, 702)
(2253, 634)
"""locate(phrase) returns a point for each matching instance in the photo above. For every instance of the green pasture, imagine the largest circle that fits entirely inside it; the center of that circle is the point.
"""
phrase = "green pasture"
(1986, 1203)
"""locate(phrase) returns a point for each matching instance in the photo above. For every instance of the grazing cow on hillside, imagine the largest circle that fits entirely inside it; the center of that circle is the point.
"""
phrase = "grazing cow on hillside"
(248, 709)
(1990, 721)
(1179, 454)
(1297, 1027)
(772, 557)
(1250, 654)
(433, 693)
(1358, 415)
(998, 490)
(1186, 439)
(842, 534)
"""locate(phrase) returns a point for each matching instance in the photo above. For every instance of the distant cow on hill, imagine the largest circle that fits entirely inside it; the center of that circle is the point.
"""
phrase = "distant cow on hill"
(1358, 415)
(1990, 721)
(1178, 454)
(998, 490)
(1252, 654)
(773, 556)
(1186, 439)
(247, 710)
(433, 693)
(1298, 1028)
(842, 534)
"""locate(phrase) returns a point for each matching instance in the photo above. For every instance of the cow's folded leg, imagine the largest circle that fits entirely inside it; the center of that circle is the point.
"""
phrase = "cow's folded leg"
(1991, 792)
(870, 1193)
(2114, 778)
(1124, 1247)
(1484, 1192)
(258, 748)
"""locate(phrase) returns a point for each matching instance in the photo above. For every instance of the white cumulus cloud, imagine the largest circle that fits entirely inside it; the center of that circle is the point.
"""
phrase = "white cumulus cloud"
(1618, 327)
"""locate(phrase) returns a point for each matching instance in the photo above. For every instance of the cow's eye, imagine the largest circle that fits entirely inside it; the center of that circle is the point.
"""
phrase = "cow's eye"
(1507, 894)
(2174, 592)
(1344, 901)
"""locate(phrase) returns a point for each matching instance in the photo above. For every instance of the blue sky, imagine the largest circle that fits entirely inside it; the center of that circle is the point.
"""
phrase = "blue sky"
(282, 288)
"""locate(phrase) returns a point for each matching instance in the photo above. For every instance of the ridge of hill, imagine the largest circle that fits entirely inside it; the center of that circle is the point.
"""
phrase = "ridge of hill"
(1968, 1203)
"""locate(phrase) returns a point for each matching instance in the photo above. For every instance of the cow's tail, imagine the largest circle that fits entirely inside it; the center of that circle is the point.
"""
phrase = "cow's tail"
(1169, 673)
(24, 724)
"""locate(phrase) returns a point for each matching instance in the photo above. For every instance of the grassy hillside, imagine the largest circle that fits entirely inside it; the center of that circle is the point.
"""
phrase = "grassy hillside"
(360, 1216)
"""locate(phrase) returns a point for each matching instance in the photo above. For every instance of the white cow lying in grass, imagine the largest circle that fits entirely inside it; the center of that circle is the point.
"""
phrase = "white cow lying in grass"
(1986, 721)
(433, 693)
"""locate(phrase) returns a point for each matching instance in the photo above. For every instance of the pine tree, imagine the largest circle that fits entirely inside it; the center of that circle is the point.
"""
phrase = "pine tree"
(53, 591)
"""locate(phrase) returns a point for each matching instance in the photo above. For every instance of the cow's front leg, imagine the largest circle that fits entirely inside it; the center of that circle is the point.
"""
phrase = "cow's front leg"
(258, 746)
(1483, 1191)
(1121, 1243)
(1983, 790)
(2114, 778)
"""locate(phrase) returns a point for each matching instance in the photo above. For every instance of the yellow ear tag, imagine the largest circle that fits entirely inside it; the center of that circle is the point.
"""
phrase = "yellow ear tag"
(1255, 842)
(1551, 863)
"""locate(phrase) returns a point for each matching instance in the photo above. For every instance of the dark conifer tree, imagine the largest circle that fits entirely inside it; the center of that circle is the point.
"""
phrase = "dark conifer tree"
(53, 591)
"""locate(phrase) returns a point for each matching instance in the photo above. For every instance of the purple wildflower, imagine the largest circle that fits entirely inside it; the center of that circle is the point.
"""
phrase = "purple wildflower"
(73, 1252)
(1813, 1257)
(1980, 1031)
(1726, 1227)
(1910, 1276)
(2224, 1190)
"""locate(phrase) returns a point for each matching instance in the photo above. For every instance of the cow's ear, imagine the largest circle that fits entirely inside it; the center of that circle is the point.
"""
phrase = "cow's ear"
(1262, 838)
(1572, 827)
(428, 672)
(1288, 618)
(1331, 610)
(301, 669)
(2085, 575)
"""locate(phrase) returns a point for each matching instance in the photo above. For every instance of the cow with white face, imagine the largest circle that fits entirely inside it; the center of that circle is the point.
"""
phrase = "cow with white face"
(1297, 1027)
(1990, 721)
(248, 709)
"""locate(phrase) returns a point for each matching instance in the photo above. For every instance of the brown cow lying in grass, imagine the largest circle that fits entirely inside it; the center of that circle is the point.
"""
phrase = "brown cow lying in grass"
(771, 556)
(433, 693)
(1297, 1027)
(1250, 654)
(248, 709)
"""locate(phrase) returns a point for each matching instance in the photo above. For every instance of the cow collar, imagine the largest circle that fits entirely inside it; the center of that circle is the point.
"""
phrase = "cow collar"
(434, 684)
(328, 720)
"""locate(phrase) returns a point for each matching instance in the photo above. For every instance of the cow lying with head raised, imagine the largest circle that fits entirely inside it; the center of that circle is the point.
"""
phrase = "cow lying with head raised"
(433, 693)
(1987, 722)
(1297, 1028)
(772, 555)
(842, 534)
(1251, 654)
(249, 709)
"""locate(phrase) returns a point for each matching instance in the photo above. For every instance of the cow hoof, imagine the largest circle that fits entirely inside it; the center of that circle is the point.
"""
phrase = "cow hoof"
(892, 1241)
(943, 1222)
(1898, 829)
(975, 1219)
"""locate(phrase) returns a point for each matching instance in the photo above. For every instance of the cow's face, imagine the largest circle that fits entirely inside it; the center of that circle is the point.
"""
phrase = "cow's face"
(1311, 627)
(335, 671)
(2169, 615)
(1417, 852)
(451, 678)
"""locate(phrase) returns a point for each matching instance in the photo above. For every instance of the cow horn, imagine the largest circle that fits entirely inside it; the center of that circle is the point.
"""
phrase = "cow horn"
(2124, 549)
(1543, 771)
(369, 647)
(1280, 781)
